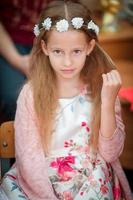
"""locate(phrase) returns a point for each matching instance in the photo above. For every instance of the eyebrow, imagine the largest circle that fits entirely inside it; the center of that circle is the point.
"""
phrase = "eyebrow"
(60, 48)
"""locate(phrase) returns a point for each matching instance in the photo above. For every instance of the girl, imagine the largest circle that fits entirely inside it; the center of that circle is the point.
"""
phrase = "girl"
(68, 128)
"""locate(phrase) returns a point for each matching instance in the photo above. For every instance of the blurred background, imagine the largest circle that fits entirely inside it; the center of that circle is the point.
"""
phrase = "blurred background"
(115, 19)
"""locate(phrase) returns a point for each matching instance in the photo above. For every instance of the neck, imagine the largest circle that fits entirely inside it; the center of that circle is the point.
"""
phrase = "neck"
(69, 88)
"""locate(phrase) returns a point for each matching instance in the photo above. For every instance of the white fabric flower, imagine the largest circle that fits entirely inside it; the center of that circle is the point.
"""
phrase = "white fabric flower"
(77, 22)
(62, 25)
(47, 23)
(36, 30)
(93, 26)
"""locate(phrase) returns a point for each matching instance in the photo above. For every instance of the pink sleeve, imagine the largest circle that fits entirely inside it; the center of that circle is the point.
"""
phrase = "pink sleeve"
(111, 148)
(30, 158)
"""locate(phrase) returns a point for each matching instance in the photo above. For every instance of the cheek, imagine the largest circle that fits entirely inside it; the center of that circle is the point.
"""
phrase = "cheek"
(82, 60)
(54, 61)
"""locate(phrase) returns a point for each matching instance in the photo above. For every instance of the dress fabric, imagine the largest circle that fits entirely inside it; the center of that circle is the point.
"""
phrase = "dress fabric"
(74, 171)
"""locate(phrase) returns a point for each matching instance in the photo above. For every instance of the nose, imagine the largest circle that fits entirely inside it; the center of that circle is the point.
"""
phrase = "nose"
(67, 61)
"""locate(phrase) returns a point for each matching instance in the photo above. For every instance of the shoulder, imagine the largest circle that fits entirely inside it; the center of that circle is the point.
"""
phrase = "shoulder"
(25, 101)
(26, 93)
(25, 98)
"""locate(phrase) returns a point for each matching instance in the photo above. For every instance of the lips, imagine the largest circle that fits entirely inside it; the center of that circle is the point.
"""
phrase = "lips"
(67, 70)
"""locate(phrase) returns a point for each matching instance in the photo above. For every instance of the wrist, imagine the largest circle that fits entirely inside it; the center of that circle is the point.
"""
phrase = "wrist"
(108, 104)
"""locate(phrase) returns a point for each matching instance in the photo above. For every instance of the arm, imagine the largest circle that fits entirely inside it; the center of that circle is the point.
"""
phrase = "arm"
(111, 147)
(30, 158)
(10, 53)
(111, 138)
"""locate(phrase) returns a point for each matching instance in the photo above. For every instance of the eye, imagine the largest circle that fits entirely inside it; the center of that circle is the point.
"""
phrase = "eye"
(77, 51)
(57, 52)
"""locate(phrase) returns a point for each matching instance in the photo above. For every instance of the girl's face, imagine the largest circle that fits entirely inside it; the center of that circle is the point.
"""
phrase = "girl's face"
(67, 52)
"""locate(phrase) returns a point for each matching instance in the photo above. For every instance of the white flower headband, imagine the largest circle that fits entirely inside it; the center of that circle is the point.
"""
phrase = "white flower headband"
(63, 25)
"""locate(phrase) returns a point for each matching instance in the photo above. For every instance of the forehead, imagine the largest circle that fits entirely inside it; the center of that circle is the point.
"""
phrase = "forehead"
(68, 38)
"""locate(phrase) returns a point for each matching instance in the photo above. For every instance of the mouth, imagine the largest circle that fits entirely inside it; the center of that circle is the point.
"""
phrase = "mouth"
(68, 71)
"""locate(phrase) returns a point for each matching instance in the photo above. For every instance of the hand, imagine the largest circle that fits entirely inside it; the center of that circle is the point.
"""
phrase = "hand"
(22, 63)
(9, 51)
(111, 86)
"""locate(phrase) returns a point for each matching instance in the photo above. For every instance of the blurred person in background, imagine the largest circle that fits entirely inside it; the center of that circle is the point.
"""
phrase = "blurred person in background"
(17, 18)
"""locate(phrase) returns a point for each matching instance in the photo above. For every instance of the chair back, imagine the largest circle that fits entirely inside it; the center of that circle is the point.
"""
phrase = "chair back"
(7, 148)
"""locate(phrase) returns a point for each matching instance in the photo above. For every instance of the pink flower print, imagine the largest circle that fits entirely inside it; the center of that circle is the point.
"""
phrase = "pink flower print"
(88, 129)
(63, 165)
(81, 193)
(67, 196)
(68, 143)
(103, 189)
(100, 179)
(106, 173)
(117, 192)
(83, 124)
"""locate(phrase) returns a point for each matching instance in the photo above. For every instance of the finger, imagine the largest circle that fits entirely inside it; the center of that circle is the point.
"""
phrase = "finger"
(104, 78)
(109, 78)
(118, 76)
(114, 77)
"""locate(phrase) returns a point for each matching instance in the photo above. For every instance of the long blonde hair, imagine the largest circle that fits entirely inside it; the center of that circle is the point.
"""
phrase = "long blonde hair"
(43, 79)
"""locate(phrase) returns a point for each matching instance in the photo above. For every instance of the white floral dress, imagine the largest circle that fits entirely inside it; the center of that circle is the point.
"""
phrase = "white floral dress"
(73, 170)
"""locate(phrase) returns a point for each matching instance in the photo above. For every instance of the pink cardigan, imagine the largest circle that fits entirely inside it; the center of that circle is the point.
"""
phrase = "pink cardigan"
(30, 159)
